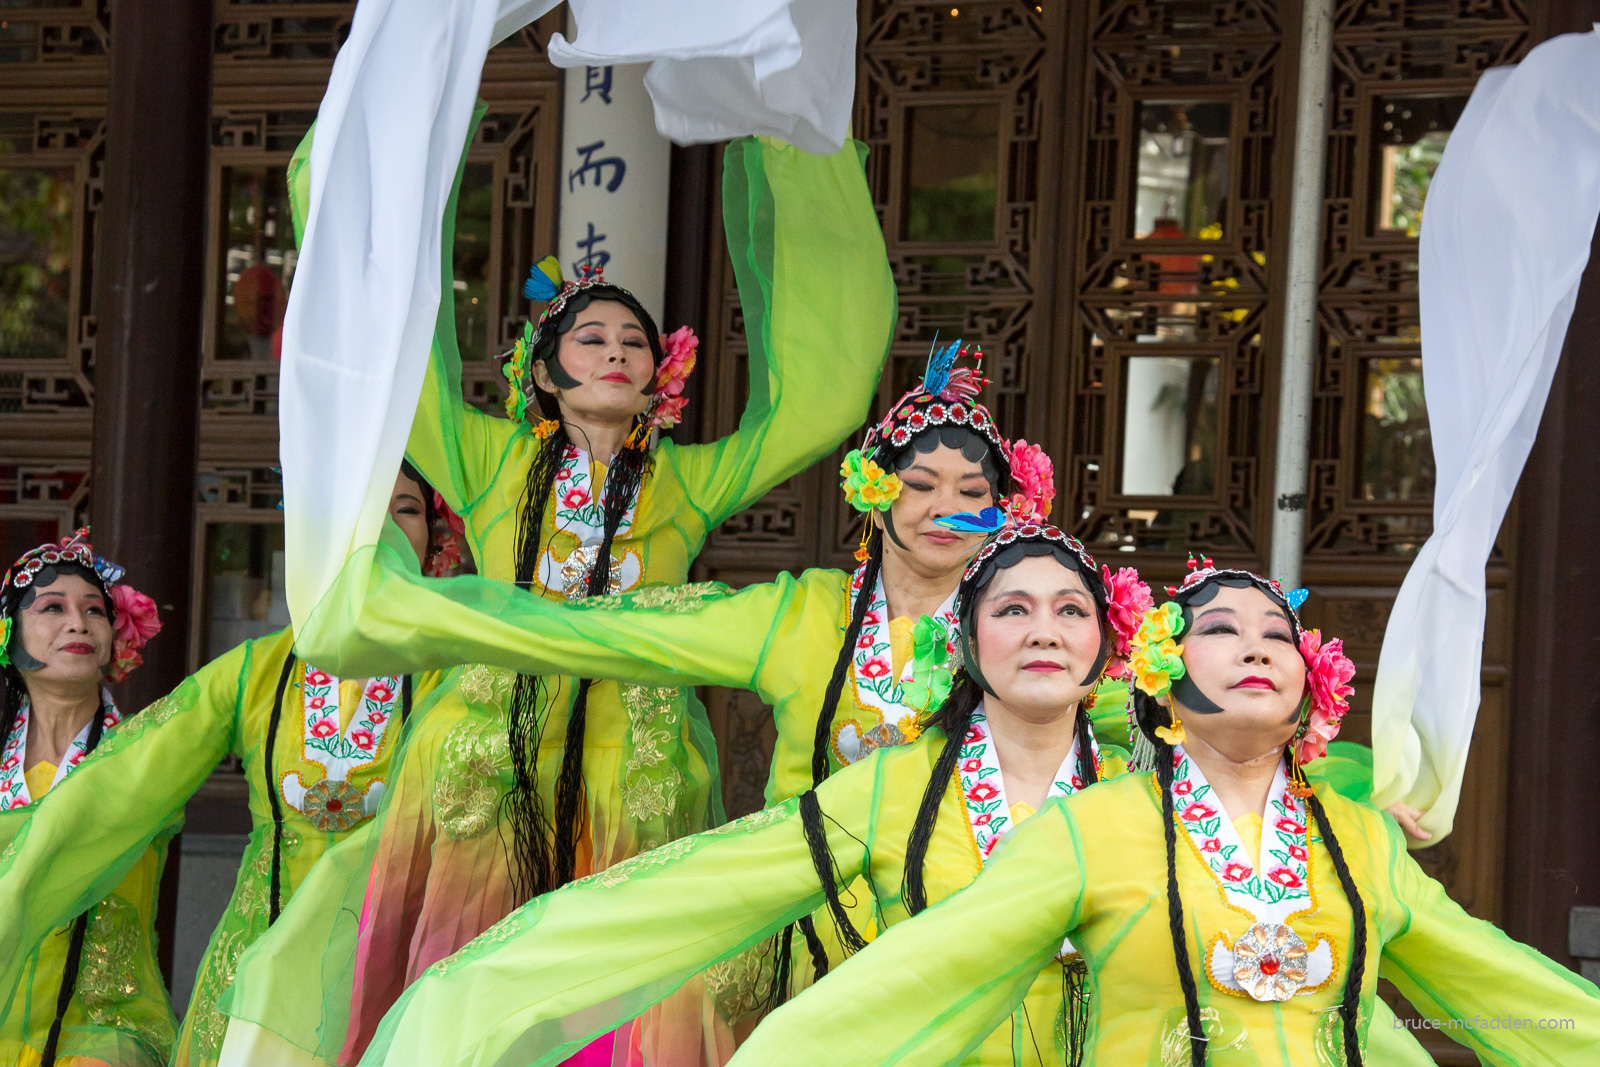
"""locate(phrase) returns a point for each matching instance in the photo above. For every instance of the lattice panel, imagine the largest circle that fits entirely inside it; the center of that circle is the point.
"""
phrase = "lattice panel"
(63, 33)
(42, 489)
(1192, 297)
(52, 165)
(1401, 73)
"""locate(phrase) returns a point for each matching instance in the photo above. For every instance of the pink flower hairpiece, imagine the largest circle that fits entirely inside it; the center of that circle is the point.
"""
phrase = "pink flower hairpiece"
(1128, 597)
(677, 363)
(1328, 674)
(447, 549)
(137, 622)
(1033, 477)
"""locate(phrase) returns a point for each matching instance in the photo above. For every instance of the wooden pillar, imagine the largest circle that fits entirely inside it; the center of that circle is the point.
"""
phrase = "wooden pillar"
(148, 309)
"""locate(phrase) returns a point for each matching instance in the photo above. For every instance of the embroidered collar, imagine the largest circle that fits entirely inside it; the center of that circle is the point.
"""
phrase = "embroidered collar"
(14, 754)
(877, 688)
(1270, 898)
(332, 803)
(578, 512)
(984, 790)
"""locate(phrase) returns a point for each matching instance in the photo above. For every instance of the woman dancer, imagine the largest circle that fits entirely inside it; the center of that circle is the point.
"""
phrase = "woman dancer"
(907, 825)
(569, 499)
(90, 993)
(315, 751)
(1227, 911)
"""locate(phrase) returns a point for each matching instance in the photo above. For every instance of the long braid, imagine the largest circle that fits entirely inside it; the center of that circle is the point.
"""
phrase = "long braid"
(841, 666)
(532, 860)
(80, 930)
(1180, 940)
(953, 718)
(1349, 1005)
(622, 485)
(1088, 773)
(11, 701)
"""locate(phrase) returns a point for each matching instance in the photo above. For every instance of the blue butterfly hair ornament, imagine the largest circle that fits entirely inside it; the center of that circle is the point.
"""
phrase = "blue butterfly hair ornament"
(940, 361)
(1296, 597)
(544, 280)
(987, 521)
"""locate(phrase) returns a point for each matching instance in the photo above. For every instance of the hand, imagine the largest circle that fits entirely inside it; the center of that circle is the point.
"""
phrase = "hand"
(1408, 817)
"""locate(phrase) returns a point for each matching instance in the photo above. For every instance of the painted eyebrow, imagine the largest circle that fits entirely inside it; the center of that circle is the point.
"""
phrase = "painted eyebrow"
(1209, 611)
(41, 594)
(597, 322)
(1029, 596)
(409, 496)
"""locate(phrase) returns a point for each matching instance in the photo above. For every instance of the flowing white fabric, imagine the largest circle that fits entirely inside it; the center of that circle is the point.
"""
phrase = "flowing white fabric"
(1505, 238)
(786, 68)
(390, 132)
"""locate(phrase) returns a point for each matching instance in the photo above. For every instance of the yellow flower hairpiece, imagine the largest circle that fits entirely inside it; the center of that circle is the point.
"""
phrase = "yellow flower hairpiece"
(867, 486)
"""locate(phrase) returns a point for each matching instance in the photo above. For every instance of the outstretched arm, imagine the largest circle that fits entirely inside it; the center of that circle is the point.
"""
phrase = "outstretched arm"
(394, 621)
(819, 308)
(1510, 1003)
(579, 962)
(77, 843)
(934, 987)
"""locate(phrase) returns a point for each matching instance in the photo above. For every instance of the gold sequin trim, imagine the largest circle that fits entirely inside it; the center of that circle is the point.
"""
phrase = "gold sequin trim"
(465, 799)
(107, 982)
(504, 930)
(675, 599)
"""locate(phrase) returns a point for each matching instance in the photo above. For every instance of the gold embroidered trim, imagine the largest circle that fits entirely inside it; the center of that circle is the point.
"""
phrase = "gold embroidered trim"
(484, 685)
(1175, 1042)
(653, 718)
(674, 599)
(738, 984)
(465, 798)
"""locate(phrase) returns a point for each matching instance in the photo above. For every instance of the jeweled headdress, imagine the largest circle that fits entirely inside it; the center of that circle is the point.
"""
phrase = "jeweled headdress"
(133, 614)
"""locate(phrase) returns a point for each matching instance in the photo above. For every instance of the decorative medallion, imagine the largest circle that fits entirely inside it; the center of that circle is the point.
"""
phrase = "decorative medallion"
(333, 807)
(1269, 962)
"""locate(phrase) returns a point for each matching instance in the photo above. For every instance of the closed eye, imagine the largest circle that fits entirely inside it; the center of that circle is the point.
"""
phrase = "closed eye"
(1219, 628)
(975, 494)
(921, 487)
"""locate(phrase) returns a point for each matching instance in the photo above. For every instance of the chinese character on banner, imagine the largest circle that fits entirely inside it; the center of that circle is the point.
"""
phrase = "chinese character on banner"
(596, 258)
(597, 81)
(580, 176)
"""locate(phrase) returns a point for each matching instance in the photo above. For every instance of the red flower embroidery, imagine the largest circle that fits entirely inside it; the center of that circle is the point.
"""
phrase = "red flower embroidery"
(317, 678)
(1211, 844)
(875, 668)
(972, 766)
(316, 703)
(1182, 789)
(323, 728)
(1285, 877)
(1289, 826)
(982, 792)
(9, 765)
(575, 498)
(982, 820)
(865, 642)
(378, 718)
(563, 474)
(1198, 810)
(380, 692)
(1297, 852)
(362, 739)
(16, 802)
(871, 618)
(1237, 872)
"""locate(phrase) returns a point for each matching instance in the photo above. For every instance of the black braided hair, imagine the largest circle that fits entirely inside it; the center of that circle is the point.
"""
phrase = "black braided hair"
(841, 665)
(953, 717)
(1350, 1003)
(545, 856)
(816, 834)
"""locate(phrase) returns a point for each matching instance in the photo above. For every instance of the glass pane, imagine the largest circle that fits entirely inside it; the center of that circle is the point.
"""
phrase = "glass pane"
(1169, 431)
(474, 212)
(35, 261)
(952, 172)
(257, 261)
(244, 584)
(1396, 449)
(1409, 134)
(1182, 170)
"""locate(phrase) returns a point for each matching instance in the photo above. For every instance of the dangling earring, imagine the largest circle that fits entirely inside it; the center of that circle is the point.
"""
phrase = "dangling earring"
(1175, 734)
(1298, 785)
(866, 537)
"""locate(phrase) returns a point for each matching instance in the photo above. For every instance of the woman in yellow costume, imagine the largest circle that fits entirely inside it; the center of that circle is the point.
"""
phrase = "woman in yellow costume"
(1228, 912)
(87, 994)
(315, 751)
(513, 786)
(1046, 627)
